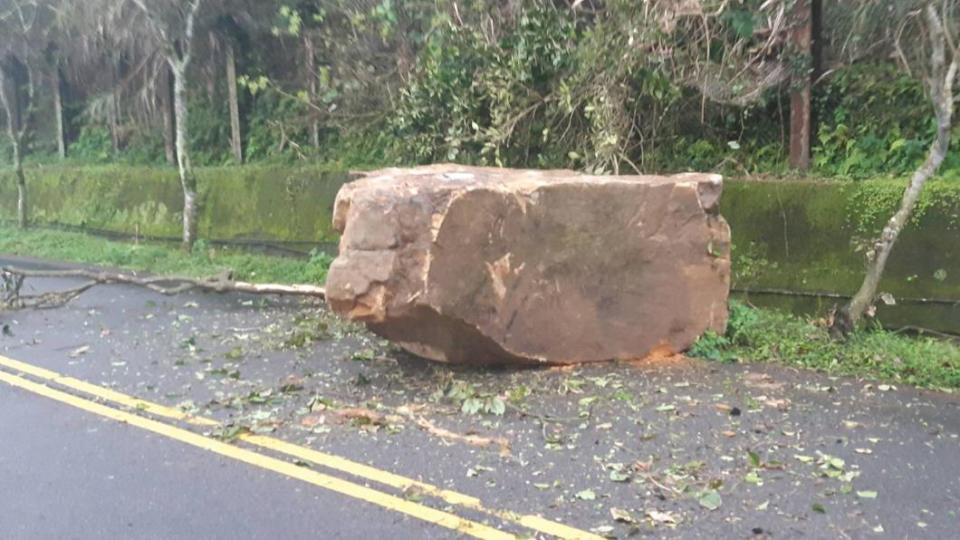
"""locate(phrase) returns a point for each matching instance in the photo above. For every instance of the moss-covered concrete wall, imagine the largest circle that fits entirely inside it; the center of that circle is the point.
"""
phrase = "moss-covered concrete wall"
(799, 235)
(813, 236)
(250, 202)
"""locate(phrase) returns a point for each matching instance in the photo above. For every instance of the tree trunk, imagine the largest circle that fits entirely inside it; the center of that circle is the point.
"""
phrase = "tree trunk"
(187, 179)
(113, 112)
(212, 79)
(236, 140)
(58, 111)
(16, 119)
(169, 118)
(941, 94)
(311, 66)
(22, 218)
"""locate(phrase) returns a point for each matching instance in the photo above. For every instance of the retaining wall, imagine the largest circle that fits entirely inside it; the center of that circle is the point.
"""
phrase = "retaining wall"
(791, 235)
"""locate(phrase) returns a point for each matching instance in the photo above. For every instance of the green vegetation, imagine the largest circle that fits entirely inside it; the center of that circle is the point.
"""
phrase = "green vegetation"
(366, 83)
(761, 335)
(279, 202)
(203, 261)
(856, 138)
(873, 119)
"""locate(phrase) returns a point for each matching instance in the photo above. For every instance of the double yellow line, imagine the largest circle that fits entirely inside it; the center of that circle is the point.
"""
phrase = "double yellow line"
(330, 461)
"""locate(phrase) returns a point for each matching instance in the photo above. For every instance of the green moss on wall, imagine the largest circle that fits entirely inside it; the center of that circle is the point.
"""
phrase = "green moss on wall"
(252, 202)
(809, 235)
(796, 234)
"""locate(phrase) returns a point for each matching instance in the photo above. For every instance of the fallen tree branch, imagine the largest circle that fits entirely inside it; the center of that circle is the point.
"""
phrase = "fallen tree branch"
(12, 279)
(473, 440)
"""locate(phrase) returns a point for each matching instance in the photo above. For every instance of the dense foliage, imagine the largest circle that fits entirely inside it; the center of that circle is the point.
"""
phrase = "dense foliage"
(600, 86)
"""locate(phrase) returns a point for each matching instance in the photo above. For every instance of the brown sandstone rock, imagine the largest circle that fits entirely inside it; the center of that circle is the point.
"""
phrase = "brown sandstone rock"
(492, 266)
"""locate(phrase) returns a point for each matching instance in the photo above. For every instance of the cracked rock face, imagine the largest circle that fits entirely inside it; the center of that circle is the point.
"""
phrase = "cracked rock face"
(497, 266)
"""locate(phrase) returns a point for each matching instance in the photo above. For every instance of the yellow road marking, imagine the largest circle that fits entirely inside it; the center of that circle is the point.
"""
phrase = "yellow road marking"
(356, 491)
(331, 461)
(105, 394)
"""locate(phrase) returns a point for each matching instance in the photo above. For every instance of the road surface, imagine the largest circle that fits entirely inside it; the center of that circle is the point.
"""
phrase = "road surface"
(126, 414)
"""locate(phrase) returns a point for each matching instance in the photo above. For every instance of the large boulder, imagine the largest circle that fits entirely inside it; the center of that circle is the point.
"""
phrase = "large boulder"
(497, 266)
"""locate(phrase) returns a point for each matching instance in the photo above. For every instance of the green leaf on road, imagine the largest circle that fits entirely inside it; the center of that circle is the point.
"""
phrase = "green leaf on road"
(621, 516)
(619, 476)
(498, 406)
(587, 495)
(710, 499)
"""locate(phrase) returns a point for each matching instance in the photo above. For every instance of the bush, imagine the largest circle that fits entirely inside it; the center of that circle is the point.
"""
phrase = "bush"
(873, 119)
(94, 145)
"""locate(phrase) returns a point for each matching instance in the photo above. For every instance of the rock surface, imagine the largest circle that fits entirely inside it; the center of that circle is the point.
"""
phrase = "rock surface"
(497, 266)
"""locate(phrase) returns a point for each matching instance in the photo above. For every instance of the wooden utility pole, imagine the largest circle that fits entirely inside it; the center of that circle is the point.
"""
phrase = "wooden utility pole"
(236, 140)
(801, 111)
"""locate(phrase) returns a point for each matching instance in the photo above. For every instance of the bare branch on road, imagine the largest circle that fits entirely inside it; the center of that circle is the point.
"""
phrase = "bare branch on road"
(12, 280)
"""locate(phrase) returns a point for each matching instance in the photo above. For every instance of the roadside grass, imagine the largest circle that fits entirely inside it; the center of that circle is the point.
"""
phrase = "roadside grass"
(203, 261)
(753, 335)
(762, 335)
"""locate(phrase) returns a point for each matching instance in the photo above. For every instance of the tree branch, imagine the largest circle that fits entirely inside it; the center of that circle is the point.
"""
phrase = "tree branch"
(190, 30)
(940, 87)
(12, 278)
(7, 106)
(31, 94)
(158, 27)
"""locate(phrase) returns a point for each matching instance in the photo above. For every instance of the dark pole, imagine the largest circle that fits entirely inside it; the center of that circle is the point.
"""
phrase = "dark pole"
(801, 49)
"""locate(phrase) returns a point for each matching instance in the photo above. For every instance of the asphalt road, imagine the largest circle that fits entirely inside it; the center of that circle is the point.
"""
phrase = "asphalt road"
(66, 474)
(672, 449)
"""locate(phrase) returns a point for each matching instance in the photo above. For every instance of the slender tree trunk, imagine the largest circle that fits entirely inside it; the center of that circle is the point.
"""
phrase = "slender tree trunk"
(187, 179)
(236, 140)
(169, 117)
(16, 119)
(212, 79)
(178, 54)
(113, 113)
(941, 94)
(22, 218)
(312, 87)
(58, 111)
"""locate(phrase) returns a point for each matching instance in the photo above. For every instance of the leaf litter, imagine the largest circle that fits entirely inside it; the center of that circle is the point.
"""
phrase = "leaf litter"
(301, 374)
